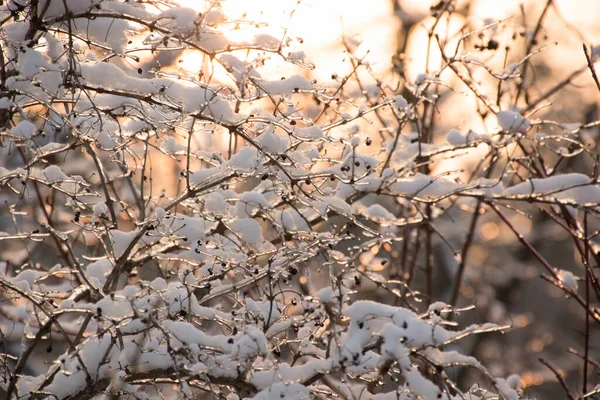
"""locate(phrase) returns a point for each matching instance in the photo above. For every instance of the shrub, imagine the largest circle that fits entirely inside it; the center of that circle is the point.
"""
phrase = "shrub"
(226, 233)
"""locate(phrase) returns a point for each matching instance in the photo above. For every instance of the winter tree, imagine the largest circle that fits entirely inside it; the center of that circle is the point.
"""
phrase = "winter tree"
(183, 217)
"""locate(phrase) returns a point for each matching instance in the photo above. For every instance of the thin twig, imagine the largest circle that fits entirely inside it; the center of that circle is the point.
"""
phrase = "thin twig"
(559, 378)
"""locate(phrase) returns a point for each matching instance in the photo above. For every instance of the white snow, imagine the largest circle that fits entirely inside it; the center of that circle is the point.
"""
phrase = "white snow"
(121, 240)
(248, 229)
(272, 142)
(24, 129)
(52, 174)
(171, 147)
(99, 270)
(570, 187)
(286, 87)
(568, 280)
(239, 69)
(309, 133)
(100, 209)
(421, 386)
(216, 204)
(338, 205)
(400, 102)
(454, 137)
(245, 160)
(425, 186)
(222, 248)
(105, 140)
(288, 391)
(511, 121)
(506, 390)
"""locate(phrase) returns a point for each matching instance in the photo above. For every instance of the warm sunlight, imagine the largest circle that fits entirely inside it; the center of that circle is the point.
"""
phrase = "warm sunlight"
(314, 27)
(298, 199)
